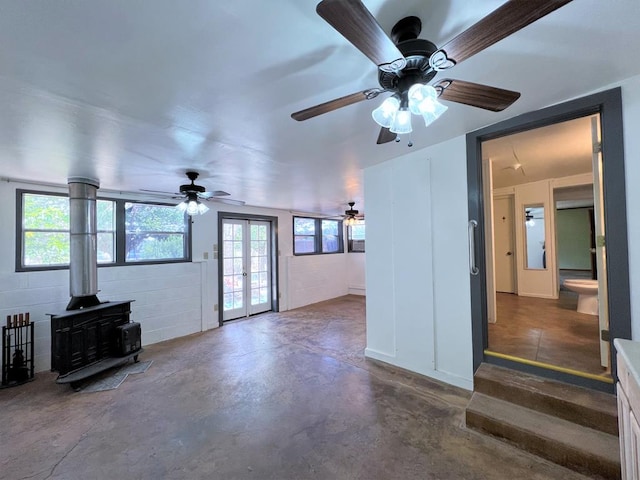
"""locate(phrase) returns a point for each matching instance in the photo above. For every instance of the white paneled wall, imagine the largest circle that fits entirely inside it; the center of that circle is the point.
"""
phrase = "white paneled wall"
(418, 303)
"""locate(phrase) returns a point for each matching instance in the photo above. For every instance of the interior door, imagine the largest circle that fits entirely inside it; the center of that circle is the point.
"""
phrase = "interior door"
(504, 251)
(246, 267)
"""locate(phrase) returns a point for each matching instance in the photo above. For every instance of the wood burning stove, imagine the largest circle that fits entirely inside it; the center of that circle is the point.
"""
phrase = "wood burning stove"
(89, 340)
(90, 336)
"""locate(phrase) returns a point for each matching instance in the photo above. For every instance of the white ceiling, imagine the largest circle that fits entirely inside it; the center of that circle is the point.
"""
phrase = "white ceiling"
(136, 93)
(555, 151)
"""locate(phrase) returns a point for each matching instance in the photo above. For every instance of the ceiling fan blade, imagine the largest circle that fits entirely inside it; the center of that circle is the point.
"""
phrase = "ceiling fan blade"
(385, 136)
(331, 105)
(225, 200)
(502, 22)
(158, 191)
(476, 95)
(355, 23)
(215, 193)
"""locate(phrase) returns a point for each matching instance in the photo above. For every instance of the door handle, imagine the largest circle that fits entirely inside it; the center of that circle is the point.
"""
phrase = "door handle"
(509, 254)
(473, 269)
(244, 274)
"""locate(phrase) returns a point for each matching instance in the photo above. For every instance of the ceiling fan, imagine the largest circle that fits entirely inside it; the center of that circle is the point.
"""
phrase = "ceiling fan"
(517, 165)
(407, 63)
(351, 216)
(192, 194)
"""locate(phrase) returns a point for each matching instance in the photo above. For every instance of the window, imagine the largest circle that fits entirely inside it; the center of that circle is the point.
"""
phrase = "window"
(150, 232)
(154, 232)
(45, 230)
(316, 236)
(106, 220)
(355, 237)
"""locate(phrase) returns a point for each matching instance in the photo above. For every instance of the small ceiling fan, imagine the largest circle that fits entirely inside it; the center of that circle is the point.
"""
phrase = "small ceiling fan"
(190, 192)
(405, 61)
(351, 216)
(517, 165)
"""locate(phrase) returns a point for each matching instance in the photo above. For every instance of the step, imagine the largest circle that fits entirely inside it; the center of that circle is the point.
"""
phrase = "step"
(577, 447)
(590, 408)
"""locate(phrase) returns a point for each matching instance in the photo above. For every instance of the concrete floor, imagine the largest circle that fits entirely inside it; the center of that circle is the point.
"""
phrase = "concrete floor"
(278, 396)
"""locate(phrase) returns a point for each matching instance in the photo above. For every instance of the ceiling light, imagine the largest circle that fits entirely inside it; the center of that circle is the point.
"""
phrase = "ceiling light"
(529, 221)
(401, 122)
(350, 221)
(395, 112)
(386, 112)
(192, 205)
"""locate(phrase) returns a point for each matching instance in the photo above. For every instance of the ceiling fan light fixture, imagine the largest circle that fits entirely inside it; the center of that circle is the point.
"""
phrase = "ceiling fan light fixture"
(350, 221)
(385, 114)
(192, 207)
(401, 122)
(430, 117)
(422, 98)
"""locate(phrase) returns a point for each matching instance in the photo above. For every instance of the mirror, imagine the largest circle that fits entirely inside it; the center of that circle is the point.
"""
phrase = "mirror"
(534, 234)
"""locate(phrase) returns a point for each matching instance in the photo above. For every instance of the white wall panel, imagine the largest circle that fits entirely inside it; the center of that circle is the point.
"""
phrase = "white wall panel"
(381, 322)
(418, 310)
(452, 295)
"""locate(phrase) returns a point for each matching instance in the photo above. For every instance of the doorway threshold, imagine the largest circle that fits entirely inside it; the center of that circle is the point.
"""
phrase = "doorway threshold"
(548, 366)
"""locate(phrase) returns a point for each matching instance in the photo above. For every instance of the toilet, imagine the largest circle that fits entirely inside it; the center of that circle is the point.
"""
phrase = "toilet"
(587, 291)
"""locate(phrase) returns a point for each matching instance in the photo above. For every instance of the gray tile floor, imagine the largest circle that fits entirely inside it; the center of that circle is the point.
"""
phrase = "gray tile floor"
(278, 396)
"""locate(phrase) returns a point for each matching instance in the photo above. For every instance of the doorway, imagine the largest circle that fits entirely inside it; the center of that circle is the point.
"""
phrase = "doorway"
(247, 265)
(537, 282)
(503, 244)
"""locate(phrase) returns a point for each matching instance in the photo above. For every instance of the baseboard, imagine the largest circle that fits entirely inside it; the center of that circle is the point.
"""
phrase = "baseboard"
(443, 377)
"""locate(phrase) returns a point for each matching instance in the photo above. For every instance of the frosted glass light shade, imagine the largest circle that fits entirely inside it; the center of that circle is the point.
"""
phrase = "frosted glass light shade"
(192, 207)
(438, 109)
(202, 208)
(386, 112)
(401, 122)
(422, 98)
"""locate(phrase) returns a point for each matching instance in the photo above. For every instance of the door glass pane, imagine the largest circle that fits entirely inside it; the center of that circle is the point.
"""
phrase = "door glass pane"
(233, 266)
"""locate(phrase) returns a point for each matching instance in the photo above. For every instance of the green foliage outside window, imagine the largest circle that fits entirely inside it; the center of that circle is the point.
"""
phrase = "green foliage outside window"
(152, 232)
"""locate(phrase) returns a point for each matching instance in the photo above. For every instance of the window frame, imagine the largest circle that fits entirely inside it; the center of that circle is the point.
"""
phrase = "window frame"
(317, 250)
(119, 234)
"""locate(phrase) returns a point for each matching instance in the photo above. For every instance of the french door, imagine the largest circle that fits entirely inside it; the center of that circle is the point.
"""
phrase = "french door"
(246, 268)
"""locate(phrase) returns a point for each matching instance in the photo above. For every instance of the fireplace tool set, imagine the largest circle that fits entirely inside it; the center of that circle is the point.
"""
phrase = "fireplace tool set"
(17, 350)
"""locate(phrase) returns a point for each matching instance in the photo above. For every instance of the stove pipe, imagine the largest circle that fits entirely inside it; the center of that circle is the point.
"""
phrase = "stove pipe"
(83, 264)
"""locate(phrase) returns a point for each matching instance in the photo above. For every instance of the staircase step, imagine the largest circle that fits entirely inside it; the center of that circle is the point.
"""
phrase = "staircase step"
(577, 447)
(590, 408)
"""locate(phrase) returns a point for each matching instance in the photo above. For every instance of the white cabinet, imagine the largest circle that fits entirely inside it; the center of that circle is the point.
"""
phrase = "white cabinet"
(628, 390)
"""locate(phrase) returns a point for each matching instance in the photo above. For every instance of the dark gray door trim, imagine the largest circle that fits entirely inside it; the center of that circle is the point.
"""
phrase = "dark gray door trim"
(275, 288)
(609, 105)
